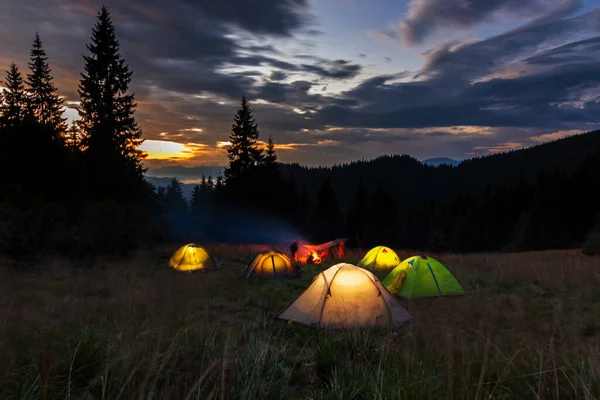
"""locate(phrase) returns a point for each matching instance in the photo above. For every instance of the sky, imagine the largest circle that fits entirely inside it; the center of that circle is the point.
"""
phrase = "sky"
(334, 80)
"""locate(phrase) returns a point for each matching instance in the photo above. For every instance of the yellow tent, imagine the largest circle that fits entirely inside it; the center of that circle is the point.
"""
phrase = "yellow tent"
(380, 259)
(346, 296)
(193, 257)
(272, 264)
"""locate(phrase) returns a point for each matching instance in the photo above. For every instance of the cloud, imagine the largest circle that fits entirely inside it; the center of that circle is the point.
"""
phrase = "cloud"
(426, 16)
(501, 147)
(548, 137)
(466, 61)
(277, 76)
(337, 69)
(192, 61)
(454, 87)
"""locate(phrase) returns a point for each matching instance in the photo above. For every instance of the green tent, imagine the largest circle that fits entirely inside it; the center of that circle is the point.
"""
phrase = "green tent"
(421, 276)
(380, 259)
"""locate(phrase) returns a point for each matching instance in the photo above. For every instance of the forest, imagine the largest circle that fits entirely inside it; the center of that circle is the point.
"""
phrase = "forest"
(81, 190)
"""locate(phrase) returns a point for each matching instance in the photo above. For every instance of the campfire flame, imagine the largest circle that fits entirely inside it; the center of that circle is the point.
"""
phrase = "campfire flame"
(316, 258)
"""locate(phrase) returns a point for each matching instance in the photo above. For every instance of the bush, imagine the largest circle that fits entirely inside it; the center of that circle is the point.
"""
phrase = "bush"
(592, 244)
(109, 228)
(30, 227)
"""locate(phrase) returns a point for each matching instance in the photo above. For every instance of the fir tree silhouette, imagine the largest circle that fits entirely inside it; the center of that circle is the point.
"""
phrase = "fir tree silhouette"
(111, 134)
(44, 102)
(13, 109)
(245, 156)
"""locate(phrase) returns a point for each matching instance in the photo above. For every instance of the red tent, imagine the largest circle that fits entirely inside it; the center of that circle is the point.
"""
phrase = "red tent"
(317, 253)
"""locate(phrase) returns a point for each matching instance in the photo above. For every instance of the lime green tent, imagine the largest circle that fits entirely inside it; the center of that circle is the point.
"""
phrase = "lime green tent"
(421, 276)
(379, 259)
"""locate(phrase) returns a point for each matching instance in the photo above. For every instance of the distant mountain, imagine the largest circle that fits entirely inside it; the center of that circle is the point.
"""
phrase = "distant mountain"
(161, 182)
(185, 173)
(435, 162)
(411, 180)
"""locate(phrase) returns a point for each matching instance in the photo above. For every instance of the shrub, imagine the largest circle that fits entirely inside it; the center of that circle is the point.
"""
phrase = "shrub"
(592, 244)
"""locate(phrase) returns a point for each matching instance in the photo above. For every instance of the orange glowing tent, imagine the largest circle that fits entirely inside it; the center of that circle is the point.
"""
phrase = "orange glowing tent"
(272, 264)
(193, 257)
(346, 296)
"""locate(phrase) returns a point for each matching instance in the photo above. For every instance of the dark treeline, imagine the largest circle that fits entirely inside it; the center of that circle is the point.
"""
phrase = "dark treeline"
(531, 199)
(80, 190)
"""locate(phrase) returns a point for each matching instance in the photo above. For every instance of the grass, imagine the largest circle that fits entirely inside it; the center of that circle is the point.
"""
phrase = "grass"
(528, 328)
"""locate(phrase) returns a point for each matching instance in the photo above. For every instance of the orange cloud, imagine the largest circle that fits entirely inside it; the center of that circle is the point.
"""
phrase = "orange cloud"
(548, 137)
(500, 147)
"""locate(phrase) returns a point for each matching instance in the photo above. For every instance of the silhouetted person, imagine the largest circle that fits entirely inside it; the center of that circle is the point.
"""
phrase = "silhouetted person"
(294, 249)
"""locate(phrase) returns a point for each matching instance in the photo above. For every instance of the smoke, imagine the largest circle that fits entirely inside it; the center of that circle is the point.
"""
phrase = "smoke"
(239, 227)
(233, 226)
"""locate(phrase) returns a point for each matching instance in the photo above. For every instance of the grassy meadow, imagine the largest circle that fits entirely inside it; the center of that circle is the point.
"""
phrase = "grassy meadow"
(528, 328)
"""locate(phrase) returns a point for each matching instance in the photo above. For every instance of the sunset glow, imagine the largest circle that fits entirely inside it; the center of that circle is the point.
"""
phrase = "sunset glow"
(166, 150)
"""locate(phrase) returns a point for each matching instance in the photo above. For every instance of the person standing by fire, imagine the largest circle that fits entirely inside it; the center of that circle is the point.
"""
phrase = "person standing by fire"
(294, 250)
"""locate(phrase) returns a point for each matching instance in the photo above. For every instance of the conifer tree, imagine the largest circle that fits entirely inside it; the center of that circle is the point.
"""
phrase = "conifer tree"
(305, 208)
(326, 222)
(203, 183)
(44, 102)
(13, 109)
(244, 154)
(196, 198)
(174, 196)
(72, 137)
(111, 134)
(358, 215)
(270, 158)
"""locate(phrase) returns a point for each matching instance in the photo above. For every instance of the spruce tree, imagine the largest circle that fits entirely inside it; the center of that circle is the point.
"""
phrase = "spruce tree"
(270, 158)
(13, 109)
(196, 198)
(44, 102)
(358, 216)
(327, 214)
(203, 184)
(244, 154)
(72, 137)
(305, 208)
(111, 134)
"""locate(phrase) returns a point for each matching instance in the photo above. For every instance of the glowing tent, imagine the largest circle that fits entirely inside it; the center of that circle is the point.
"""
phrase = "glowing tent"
(272, 264)
(380, 259)
(422, 276)
(318, 253)
(346, 296)
(193, 257)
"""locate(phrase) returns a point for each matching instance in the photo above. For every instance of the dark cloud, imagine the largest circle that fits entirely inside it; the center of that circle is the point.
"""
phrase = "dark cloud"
(582, 51)
(193, 60)
(464, 62)
(272, 17)
(338, 69)
(426, 16)
(333, 69)
(277, 76)
(528, 101)
(454, 87)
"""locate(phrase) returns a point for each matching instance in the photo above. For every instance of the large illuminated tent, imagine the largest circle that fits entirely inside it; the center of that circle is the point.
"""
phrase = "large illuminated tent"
(346, 296)
(422, 276)
(380, 259)
(272, 264)
(193, 257)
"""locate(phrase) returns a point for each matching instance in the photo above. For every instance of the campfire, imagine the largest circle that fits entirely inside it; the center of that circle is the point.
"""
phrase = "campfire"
(316, 254)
